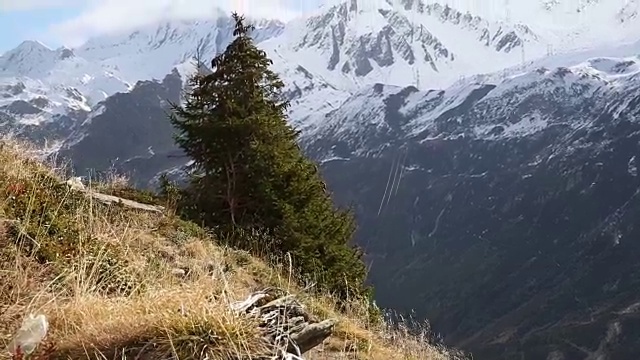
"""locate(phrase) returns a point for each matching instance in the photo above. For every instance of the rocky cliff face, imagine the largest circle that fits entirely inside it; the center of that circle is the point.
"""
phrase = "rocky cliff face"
(509, 252)
(129, 132)
(396, 35)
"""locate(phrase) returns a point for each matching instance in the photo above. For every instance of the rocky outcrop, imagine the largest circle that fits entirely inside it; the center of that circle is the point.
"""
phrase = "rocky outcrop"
(285, 322)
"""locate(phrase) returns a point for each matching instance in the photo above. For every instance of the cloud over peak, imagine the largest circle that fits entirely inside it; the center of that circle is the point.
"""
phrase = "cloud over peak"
(98, 17)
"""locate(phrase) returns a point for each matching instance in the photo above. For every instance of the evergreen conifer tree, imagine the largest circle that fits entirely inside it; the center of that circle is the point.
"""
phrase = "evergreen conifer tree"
(248, 171)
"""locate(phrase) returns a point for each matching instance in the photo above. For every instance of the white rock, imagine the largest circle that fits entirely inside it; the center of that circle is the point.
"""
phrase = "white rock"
(30, 334)
(179, 272)
(76, 183)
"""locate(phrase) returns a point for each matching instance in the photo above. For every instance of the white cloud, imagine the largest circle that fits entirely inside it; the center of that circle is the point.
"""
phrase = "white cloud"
(110, 16)
(26, 5)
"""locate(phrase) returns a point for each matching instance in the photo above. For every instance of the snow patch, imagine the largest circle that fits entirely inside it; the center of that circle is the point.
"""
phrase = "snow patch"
(632, 167)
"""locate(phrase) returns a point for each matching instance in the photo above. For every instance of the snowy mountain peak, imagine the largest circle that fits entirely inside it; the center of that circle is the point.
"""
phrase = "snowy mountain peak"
(401, 42)
(27, 58)
(206, 33)
(32, 46)
(151, 51)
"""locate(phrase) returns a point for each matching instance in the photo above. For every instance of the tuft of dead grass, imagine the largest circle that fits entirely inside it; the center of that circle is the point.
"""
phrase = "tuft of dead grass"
(106, 278)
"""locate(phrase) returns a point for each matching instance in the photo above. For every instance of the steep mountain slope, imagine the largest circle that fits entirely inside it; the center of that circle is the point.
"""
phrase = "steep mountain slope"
(137, 122)
(503, 217)
(503, 212)
(133, 280)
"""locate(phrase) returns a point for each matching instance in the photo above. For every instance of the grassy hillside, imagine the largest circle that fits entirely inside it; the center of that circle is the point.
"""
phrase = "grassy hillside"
(117, 282)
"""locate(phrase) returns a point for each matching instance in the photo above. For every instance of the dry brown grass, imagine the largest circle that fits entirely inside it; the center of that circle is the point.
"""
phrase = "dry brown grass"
(106, 280)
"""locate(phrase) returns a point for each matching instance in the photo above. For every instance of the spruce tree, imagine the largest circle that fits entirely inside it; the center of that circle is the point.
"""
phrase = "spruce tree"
(248, 171)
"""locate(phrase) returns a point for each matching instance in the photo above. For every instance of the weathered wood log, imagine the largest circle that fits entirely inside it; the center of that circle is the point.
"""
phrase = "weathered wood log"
(285, 323)
(75, 183)
(110, 199)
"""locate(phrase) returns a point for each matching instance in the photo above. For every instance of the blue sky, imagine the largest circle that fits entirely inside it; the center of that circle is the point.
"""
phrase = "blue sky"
(16, 26)
(70, 22)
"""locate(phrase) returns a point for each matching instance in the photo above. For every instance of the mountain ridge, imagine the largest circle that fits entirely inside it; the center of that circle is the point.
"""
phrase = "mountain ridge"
(408, 42)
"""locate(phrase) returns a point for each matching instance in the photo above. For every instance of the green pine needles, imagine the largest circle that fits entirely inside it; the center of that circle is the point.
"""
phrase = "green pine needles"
(249, 176)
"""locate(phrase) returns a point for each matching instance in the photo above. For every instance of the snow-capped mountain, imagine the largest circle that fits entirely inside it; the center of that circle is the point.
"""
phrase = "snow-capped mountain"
(44, 93)
(40, 86)
(59, 70)
(401, 42)
(398, 47)
(490, 150)
(567, 24)
(330, 61)
(328, 54)
(152, 51)
(491, 107)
